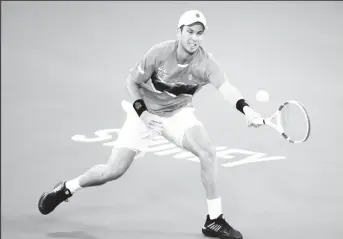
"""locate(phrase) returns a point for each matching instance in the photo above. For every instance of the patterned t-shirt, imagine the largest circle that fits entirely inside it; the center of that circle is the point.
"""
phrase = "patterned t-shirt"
(167, 86)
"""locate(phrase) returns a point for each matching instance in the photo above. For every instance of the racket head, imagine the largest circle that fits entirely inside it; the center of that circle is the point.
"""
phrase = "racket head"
(292, 121)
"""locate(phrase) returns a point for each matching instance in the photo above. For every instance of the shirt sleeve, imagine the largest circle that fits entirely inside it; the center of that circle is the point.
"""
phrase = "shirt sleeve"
(217, 77)
(146, 66)
(214, 72)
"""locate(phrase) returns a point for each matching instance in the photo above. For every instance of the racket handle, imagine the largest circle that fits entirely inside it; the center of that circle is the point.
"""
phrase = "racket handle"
(261, 121)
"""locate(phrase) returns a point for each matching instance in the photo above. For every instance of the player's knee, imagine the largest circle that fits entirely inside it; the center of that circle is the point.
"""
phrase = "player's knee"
(112, 174)
(207, 154)
(207, 159)
(119, 161)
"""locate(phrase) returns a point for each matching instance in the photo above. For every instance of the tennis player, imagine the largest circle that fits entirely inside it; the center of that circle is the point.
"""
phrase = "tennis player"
(162, 85)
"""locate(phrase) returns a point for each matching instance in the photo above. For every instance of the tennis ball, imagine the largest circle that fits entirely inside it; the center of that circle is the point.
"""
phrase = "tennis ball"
(262, 96)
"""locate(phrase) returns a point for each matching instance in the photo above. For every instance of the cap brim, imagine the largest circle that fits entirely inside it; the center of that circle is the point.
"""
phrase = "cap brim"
(192, 22)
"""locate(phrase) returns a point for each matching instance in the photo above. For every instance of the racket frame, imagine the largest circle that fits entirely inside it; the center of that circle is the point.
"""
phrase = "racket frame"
(278, 126)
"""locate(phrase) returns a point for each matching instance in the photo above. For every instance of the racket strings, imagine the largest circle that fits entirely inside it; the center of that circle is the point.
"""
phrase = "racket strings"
(294, 122)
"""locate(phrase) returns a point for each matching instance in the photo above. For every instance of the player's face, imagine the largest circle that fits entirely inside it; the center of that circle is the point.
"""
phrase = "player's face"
(191, 37)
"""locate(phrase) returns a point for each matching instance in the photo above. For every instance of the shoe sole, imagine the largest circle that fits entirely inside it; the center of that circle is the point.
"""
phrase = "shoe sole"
(209, 233)
(41, 209)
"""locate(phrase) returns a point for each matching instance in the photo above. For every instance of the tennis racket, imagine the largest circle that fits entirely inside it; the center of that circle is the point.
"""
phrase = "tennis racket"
(292, 121)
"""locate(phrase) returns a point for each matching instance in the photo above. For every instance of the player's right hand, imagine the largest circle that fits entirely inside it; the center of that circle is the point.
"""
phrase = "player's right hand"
(152, 121)
(253, 118)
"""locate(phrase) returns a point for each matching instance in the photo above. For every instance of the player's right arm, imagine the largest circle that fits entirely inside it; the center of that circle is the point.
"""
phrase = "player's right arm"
(138, 75)
(217, 77)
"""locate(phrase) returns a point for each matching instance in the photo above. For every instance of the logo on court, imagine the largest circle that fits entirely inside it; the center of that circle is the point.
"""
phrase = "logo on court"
(228, 157)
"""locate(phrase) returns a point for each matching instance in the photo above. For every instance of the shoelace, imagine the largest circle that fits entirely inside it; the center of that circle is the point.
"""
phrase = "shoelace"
(58, 188)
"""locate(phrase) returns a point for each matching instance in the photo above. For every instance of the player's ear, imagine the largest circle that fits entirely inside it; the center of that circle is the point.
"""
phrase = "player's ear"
(178, 33)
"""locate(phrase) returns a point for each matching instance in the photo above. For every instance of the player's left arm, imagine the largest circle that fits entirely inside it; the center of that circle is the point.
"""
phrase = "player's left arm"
(218, 78)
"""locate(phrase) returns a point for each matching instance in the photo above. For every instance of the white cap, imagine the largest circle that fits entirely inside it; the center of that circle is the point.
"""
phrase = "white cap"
(191, 17)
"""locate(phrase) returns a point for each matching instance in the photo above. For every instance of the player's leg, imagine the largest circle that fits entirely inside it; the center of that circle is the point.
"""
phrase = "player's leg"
(118, 163)
(128, 144)
(185, 130)
(189, 133)
(196, 140)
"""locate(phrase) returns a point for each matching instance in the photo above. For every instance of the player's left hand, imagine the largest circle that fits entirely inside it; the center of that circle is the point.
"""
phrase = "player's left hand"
(253, 118)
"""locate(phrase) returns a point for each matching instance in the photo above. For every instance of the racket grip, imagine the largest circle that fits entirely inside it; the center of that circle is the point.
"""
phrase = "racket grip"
(261, 121)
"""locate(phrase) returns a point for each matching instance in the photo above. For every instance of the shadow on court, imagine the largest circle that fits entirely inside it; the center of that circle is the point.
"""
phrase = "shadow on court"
(53, 227)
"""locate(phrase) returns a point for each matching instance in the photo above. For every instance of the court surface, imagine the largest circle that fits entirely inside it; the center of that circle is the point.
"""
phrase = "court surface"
(63, 70)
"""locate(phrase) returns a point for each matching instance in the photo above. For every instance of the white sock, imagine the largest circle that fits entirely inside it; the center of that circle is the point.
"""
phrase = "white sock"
(214, 207)
(73, 185)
